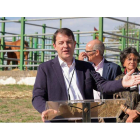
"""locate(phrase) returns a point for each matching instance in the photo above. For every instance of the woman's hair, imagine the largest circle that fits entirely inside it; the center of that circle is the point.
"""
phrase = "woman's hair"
(124, 54)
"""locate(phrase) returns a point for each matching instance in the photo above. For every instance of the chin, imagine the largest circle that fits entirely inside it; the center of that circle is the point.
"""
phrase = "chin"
(132, 69)
(66, 56)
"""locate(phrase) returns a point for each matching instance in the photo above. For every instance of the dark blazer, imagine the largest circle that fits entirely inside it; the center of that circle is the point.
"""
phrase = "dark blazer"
(50, 86)
(110, 72)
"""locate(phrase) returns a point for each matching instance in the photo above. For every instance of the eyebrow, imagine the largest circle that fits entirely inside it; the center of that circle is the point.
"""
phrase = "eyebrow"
(63, 41)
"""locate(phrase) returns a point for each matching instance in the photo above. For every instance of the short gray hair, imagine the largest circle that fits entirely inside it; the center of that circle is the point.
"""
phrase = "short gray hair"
(100, 47)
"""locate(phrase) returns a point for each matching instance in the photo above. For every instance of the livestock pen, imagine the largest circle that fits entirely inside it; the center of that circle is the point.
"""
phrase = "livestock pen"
(41, 46)
(15, 99)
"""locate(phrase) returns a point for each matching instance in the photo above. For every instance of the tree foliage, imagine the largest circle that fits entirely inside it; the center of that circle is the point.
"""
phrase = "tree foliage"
(132, 31)
(130, 27)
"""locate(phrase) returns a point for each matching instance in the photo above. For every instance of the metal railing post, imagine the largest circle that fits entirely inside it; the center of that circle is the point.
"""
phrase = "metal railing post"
(101, 29)
(52, 57)
(22, 43)
(119, 47)
(13, 62)
(138, 41)
(14, 39)
(2, 44)
(36, 53)
(94, 36)
(77, 44)
(123, 39)
(60, 23)
(127, 31)
(43, 42)
(31, 53)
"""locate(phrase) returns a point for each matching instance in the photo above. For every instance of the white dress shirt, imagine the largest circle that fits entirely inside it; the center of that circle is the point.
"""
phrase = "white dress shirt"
(99, 69)
(74, 92)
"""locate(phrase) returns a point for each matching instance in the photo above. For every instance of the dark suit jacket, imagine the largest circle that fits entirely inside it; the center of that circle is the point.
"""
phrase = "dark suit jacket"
(50, 86)
(110, 72)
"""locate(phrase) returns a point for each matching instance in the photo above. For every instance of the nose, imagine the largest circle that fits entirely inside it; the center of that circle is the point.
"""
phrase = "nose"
(133, 60)
(65, 44)
(87, 53)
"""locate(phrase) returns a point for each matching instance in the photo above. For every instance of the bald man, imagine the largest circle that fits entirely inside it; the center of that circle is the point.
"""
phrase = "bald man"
(94, 53)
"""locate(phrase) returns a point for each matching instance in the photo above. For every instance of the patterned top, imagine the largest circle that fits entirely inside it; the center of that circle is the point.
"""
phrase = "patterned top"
(132, 101)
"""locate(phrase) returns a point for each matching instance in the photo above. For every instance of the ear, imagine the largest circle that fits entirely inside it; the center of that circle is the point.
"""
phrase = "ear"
(124, 65)
(97, 52)
(74, 44)
(54, 46)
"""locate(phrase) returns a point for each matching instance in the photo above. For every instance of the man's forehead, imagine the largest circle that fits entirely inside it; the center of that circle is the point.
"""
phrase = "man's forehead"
(89, 46)
(59, 35)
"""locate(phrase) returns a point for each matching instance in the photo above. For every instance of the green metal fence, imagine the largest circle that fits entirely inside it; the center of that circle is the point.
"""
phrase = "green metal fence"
(40, 45)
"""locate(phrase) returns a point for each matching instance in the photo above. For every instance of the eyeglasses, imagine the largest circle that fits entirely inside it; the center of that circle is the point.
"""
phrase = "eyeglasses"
(130, 59)
(89, 51)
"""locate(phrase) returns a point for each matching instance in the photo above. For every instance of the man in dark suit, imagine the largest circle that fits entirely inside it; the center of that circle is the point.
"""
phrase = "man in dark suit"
(108, 70)
(94, 53)
(65, 78)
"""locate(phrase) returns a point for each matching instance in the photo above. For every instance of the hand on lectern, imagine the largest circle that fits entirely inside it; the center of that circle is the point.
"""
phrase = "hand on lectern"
(48, 114)
(130, 80)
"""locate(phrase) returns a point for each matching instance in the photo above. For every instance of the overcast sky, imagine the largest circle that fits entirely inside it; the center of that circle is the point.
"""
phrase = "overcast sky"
(82, 24)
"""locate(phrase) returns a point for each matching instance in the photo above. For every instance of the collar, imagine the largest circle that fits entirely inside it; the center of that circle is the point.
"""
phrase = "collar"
(100, 65)
(125, 71)
(62, 63)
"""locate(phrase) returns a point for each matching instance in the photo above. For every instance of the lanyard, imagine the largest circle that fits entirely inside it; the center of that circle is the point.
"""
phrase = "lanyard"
(69, 82)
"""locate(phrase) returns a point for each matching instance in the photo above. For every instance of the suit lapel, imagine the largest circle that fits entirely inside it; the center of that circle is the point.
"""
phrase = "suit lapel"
(80, 77)
(106, 69)
(59, 75)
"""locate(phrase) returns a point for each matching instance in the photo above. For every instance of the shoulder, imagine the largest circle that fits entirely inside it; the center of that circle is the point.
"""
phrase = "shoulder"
(83, 64)
(113, 65)
(119, 76)
(46, 64)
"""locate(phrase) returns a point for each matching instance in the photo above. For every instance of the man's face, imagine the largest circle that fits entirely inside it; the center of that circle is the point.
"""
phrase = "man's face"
(91, 53)
(65, 46)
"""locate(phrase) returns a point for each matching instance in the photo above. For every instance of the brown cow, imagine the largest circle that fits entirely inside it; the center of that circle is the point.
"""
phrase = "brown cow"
(16, 55)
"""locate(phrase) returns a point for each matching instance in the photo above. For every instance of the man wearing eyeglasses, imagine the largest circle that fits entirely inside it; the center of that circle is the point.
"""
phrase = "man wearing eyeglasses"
(94, 54)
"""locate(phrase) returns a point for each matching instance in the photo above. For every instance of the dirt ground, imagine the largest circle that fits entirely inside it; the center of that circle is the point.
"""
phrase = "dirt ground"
(16, 105)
